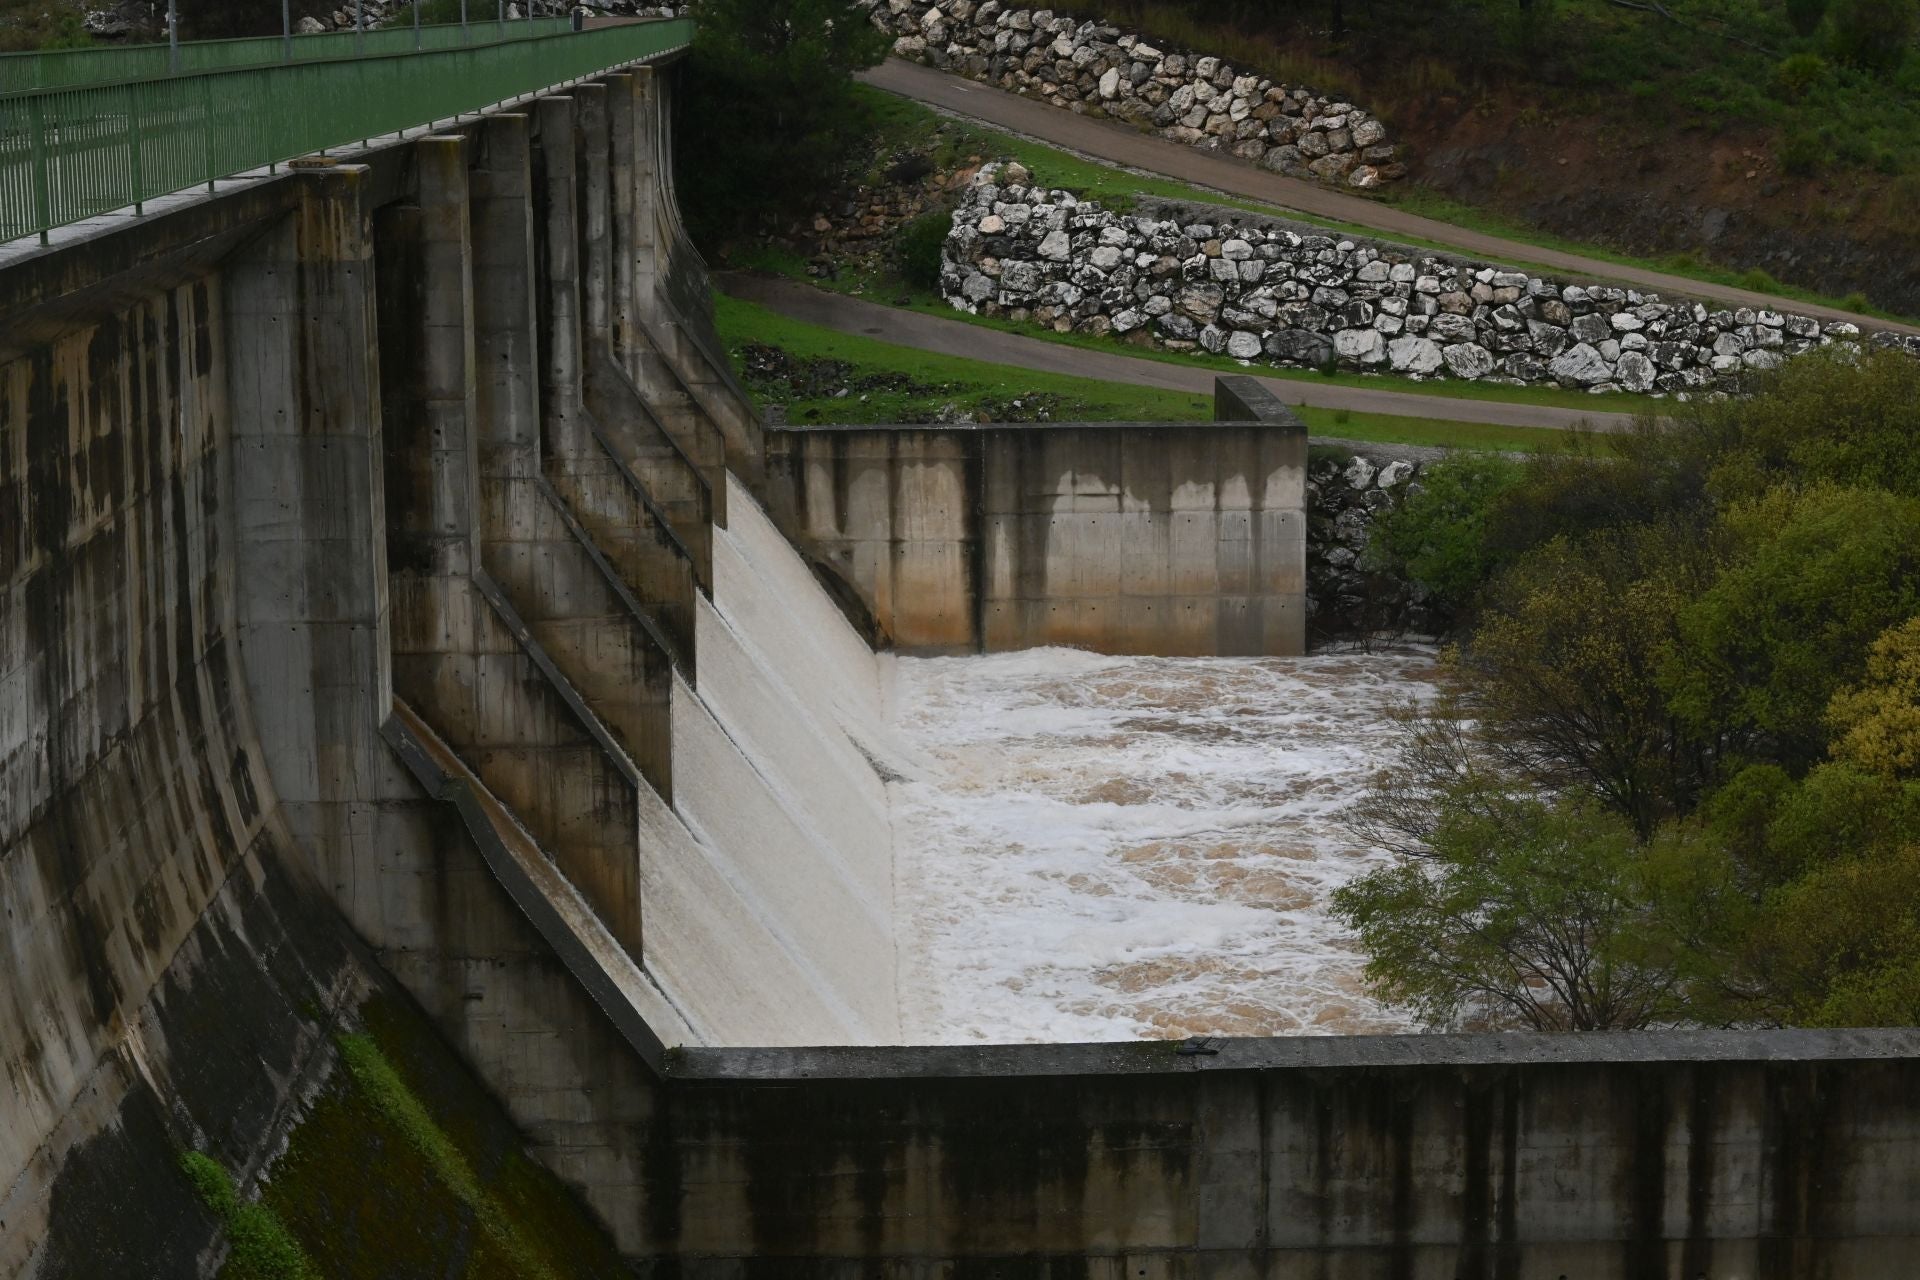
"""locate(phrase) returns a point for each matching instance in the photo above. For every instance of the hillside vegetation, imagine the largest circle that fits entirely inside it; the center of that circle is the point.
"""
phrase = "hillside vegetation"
(1677, 775)
(1782, 135)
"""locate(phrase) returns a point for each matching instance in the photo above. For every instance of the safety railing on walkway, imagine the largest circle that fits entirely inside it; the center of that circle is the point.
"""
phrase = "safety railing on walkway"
(68, 154)
(117, 64)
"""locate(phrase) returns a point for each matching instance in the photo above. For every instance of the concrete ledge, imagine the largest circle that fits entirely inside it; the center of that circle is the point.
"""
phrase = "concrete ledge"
(1302, 1053)
(555, 909)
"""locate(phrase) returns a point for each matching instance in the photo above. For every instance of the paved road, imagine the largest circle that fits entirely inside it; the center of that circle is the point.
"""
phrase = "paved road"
(1119, 144)
(974, 342)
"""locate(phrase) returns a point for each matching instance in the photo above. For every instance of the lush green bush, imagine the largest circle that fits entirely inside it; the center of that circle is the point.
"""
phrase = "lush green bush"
(1873, 34)
(1437, 538)
(40, 24)
(1800, 75)
(918, 246)
(1701, 639)
(1814, 580)
(1522, 912)
(1805, 15)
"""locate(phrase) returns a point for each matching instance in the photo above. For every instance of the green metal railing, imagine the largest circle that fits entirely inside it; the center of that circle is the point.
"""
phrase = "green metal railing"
(70, 68)
(67, 154)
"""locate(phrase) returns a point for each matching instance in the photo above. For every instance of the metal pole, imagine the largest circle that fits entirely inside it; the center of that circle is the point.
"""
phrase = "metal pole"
(173, 37)
(359, 27)
(466, 36)
(500, 16)
(416, 26)
(286, 31)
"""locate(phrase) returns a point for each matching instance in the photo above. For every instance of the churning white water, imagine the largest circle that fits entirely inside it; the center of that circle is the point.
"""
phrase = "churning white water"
(1109, 848)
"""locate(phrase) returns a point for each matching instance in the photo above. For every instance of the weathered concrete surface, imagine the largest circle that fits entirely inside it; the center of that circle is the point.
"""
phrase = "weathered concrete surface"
(172, 980)
(1118, 537)
(347, 658)
(1768, 1155)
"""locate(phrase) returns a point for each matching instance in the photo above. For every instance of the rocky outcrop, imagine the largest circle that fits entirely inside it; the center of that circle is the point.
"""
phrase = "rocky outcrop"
(1193, 277)
(1088, 65)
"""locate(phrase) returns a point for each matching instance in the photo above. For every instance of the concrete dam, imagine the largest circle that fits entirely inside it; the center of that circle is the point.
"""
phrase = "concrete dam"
(448, 821)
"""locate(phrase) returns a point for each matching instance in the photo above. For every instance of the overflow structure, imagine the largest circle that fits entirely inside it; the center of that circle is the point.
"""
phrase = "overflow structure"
(412, 636)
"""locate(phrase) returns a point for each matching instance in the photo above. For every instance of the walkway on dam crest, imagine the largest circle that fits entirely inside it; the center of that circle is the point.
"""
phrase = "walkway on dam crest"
(974, 342)
(1117, 144)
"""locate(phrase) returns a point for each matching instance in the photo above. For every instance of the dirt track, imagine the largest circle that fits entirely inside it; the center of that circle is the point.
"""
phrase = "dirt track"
(958, 338)
(1118, 144)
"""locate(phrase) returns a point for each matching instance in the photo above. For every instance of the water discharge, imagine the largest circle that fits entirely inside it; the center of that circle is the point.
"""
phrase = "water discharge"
(1108, 848)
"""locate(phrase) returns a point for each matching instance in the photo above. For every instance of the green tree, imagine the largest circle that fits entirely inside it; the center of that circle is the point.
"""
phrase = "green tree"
(42, 24)
(1876, 725)
(1805, 15)
(1823, 416)
(1873, 34)
(1562, 668)
(768, 115)
(1523, 912)
(1439, 537)
(1815, 579)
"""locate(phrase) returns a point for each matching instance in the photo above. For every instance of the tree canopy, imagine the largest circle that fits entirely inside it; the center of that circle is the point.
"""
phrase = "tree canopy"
(1676, 776)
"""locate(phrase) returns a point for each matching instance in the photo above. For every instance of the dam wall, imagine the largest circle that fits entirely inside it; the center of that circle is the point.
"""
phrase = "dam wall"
(1155, 538)
(433, 741)
(350, 660)
(1761, 1156)
(174, 982)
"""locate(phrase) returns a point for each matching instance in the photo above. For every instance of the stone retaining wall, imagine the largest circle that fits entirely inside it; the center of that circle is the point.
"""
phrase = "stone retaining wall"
(1193, 277)
(1087, 65)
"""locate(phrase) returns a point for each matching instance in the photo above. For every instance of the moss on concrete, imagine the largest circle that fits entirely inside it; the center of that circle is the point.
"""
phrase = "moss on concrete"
(405, 1165)
(259, 1246)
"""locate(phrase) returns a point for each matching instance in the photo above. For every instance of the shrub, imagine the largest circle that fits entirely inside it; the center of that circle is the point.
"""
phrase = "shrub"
(1803, 155)
(1437, 538)
(1872, 34)
(917, 247)
(1805, 15)
(1794, 78)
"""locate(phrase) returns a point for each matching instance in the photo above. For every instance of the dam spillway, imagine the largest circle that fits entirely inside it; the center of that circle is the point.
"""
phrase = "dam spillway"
(1108, 848)
(414, 642)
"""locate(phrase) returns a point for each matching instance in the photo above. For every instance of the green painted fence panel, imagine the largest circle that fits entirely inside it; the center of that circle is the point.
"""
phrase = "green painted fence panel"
(68, 68)
(73, 153)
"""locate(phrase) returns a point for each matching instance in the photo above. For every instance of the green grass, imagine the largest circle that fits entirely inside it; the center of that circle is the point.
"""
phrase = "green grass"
(1380, 428)
(968, 384)
(965, 381)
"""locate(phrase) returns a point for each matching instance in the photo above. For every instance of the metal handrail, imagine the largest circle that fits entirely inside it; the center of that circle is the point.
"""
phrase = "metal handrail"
(73, 153)
(73, 68)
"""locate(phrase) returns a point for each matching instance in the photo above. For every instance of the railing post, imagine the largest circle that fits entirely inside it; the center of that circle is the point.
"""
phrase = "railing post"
(359, 27)
(134, 161)
(466, 34)
(173, 37)
(42, 187)
(286, 31)
(416, 26)
(206, 124)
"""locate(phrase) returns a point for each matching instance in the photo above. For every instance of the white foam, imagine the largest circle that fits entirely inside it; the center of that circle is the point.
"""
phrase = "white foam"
(1114, 848)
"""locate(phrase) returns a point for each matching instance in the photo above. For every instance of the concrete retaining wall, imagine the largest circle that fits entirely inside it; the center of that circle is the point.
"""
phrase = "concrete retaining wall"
(1758, 1156)
(1118, 537)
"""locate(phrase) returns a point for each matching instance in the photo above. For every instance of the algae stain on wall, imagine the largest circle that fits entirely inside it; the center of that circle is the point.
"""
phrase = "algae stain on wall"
(403, 1166)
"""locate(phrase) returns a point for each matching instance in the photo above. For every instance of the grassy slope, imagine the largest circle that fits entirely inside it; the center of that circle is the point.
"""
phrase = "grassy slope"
(966, 382)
